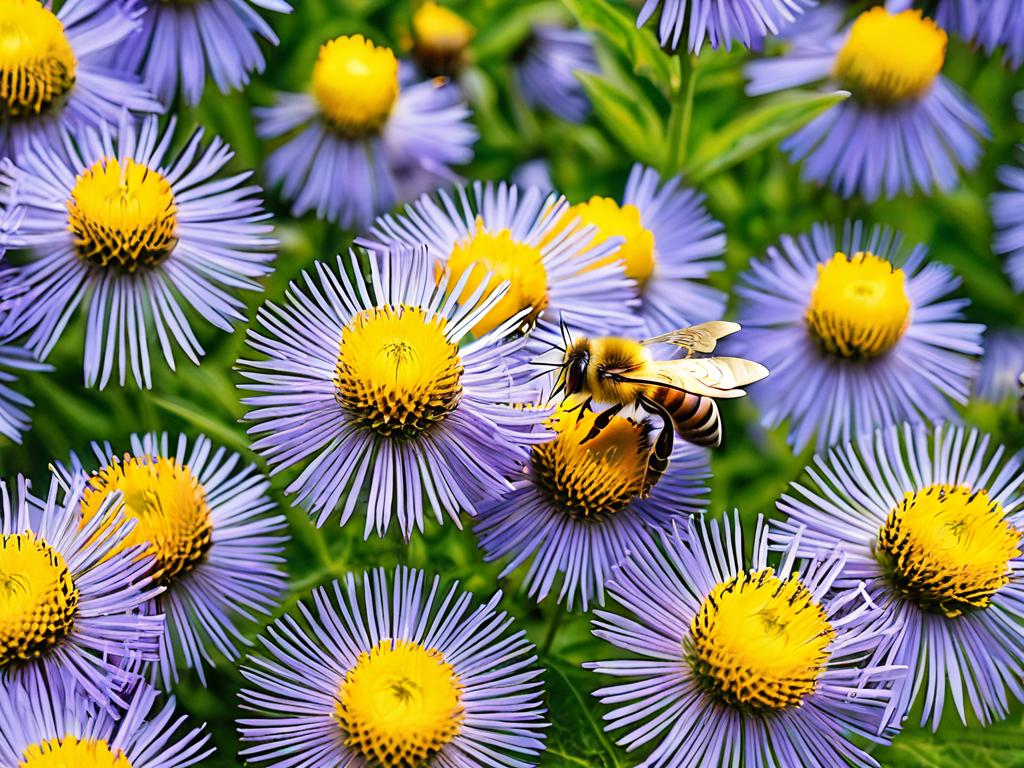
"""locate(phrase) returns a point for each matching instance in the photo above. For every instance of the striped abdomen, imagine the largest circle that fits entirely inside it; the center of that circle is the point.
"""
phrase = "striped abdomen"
(695, 417)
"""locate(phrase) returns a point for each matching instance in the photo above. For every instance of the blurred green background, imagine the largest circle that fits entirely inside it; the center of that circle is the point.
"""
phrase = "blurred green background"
(730, 154)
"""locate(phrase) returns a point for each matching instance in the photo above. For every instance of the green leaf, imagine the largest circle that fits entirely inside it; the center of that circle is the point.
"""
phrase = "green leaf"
(576, 736)
(752, 132)
(638, 46)
(999, 746)
(627, 115)
(212, 428)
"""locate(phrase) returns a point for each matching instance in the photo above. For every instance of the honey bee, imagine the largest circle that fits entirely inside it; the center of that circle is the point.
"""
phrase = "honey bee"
(682, 392)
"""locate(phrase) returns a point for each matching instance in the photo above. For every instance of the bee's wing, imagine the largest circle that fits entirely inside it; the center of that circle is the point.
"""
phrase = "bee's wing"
(701, 338)
(720, 377)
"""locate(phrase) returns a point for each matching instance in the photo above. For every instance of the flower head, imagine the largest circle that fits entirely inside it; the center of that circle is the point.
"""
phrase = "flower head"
(114, 222)
(54, 73)
(742, 664)
(546, 72)
(440, 38)
(580, 506)
(555, 270)
(71, 594)
(368, 382)
(905, 126)
(201, 516)
(48, 724)
(930, 521)
(393, 675)
(856, 332)
(989, 24)
(721, 22)
(364, 137)
(178, 42)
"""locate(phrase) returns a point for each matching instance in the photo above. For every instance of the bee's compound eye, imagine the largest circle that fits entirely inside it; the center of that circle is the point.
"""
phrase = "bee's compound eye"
(574, 375)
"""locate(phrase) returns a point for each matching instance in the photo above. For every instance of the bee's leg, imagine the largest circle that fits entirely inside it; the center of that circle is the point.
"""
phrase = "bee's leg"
(602, 420)
(580, 409)
(657, 462)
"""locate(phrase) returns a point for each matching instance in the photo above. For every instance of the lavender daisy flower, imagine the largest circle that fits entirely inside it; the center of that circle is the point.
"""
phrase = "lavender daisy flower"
(1002, 366)
(738, 665)
(1008, 217)
(364, 139)
(547, 67)
(394, 675)
(440, 39)
(179, 42)
(989, 24)
(930, 521)
(54, 72)
(670, 246)
(720, 22)
(74, 590)
(364, 382)
(556, 270)
(201, 515)
(856, 332)
(47, 724)
(579, 507)
(905, 126)
(116, 223)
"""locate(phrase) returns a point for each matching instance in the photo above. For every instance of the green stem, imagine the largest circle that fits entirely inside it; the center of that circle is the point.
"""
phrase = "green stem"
(681, 116)
(556, 622)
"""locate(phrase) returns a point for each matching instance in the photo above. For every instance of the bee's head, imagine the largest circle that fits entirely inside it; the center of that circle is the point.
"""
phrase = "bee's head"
(574, 369)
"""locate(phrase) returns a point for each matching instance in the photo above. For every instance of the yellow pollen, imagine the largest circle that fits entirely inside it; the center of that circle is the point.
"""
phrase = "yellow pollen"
(168, 505)
(506, 259)
(891, 57)
(123, 214)
(37, 64)
(613, 220)
(396, 373)
(439, 34)
(38, 599)
(759, 643)
(948, 548)
(73, 752)
(859, 306)
(399, 705)
(356, 85)
(600, 477)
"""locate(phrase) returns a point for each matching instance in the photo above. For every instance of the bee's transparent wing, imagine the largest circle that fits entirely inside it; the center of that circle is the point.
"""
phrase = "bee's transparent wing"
(720, 377)
(701, 338)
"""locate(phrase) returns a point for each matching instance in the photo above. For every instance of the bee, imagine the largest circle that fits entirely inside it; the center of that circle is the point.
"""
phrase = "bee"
(682, 392)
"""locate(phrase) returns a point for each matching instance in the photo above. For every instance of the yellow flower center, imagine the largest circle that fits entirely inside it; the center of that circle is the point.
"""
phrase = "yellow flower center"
(439, 33)
(859, 306)
(399, 705)
(37, 65)
(759, 643)
(948, 548)
(73, 752)
(38, 599)
(594, 479)
(506, 259)
(356, 85)
(397, 373)
(123, 214)
(613, 220)
(891, 57)
(169, 508)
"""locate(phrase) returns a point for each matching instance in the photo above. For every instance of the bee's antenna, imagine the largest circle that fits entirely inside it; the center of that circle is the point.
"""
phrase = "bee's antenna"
(566, 336)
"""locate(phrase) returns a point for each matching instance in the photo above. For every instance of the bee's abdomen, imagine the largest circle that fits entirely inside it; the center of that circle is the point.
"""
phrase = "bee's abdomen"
(695, 417)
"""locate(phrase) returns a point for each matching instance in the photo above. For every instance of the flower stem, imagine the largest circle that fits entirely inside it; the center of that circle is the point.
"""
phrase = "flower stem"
(556, 622)
(681, 116)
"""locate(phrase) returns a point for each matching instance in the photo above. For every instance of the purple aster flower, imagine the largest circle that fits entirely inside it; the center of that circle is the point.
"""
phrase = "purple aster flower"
(394, 675)
(989, 24)
(534, 173)
(201, 515)
(48, 723)
(74, 593)
(117, 223)
(856, 332)
(579, 507)
(547, 67)
(670, 246)
(1001, 366)
(364, 382)
(1008, 217)
(556, 270)
(930, 522)
(178, 42)
(734, 665)
(904, 127)
(70, 85)
(721, 22)
(357, 145)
